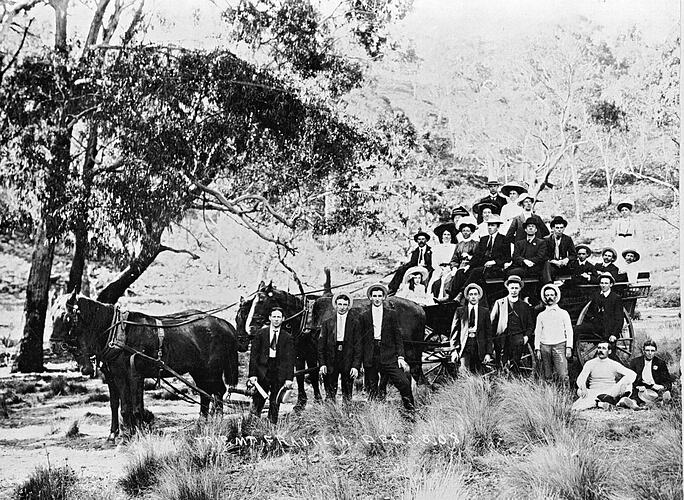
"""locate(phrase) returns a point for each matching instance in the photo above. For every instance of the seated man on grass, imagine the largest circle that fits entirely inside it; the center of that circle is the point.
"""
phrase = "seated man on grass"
(653, 381)
(604, 383)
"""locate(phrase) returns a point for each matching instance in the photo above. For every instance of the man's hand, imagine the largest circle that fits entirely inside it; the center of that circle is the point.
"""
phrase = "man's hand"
(564, 262)
(586, 276)
(528, 262)
(403, 365)
(251, 381)
(612, 339)
(555, 262)
(324, 370)
(568, 352)
(525, 339)
(538, 352)
(487, 359)
(490, 263)
(288, 385)
(454, 356)
(658, 387)
(582, 391)
(353, 373)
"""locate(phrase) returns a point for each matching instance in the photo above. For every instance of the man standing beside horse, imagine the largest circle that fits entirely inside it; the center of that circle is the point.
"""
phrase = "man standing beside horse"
(339, 349)
(271, 364)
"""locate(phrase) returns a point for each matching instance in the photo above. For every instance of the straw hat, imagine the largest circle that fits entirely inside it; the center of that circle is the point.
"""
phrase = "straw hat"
(495, 219)
(514, 278)
(631, 250)
(610, 249)
(416, 270)
(607, 275)
(376, 286)
(555, 288)
(476, 287)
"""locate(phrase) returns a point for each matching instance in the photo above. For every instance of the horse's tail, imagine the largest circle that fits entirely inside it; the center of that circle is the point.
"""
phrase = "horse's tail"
(230, 366)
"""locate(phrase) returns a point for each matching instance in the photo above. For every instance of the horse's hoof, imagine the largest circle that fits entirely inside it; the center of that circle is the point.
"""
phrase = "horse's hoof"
(112, 437)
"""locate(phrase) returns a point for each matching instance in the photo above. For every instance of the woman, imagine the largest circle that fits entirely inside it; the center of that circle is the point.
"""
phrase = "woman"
(413, 288)
(512, 191)
(624, 231)
(443, 253)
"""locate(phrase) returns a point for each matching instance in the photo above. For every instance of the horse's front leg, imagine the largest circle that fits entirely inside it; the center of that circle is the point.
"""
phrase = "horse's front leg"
(114, 399)
(301, 386)
(312, 362)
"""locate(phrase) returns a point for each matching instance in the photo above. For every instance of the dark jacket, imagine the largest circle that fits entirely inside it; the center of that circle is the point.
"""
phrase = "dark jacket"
(586, 267)
(661, 375)
(567, 249)
(415, 254)
(351, 348)
(501, 251)
(534, 251)
(497, 200)
(483, 329)
(607, 312)
(391, 343)
(285, 356)
(516, 231)
(610, 268)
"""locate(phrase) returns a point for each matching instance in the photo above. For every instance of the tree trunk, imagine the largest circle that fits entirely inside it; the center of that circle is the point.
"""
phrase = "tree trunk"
(78, 261)
(30, 357)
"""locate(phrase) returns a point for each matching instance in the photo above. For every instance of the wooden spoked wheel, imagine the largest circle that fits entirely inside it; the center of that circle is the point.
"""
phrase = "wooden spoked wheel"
(436, 360)
(586, 346)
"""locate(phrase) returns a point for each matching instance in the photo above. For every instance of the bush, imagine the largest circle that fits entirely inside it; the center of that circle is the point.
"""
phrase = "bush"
(380, 429)
(97, 397)
(58, 386)
(73, 430)
(148, 454)
(47, 483)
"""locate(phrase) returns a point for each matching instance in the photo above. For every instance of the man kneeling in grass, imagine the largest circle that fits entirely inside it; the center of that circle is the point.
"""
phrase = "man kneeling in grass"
(605, 389)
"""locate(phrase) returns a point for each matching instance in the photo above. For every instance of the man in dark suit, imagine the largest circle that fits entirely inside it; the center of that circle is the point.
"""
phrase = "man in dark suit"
(420, 256)
(339, 349)
(493, 197)
(609, 256)
(383, 347)
(529, 254)
(471, 332)
(652, 373)
(516, 231)
(604, 318)
(584, 272)
(512, 325)
(271, 364)
(560, 251)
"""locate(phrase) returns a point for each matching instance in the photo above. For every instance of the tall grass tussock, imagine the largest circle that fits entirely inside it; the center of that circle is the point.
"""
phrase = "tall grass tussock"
(148, 454)
(448, 483)
(48, 483)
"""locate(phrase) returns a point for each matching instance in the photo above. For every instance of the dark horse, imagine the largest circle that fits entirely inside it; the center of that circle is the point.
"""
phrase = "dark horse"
(253, 314)
(191, 342)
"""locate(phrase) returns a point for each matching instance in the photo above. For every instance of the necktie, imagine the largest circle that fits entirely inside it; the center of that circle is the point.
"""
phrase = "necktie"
(421, 258)
(490, 243)
(274, 340)
(557, 254)
(471, 318)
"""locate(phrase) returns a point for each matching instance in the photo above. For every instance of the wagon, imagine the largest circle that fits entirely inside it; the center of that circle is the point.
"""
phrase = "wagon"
(436, 359)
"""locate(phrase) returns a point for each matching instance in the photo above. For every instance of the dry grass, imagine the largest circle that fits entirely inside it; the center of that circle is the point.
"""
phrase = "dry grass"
(447, 483)
(148, 454)
(48, 483)
(73, 431)
(380, 429)
(177, 483)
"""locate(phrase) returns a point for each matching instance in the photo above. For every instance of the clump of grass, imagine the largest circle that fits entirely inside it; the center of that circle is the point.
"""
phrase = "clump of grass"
(188, 484)
(380, 429)
(168, 395)
(47, 483)
(97, 397)
(570, 467)
(447, 483)
(22, 387)
(58, 386)
(73, 431)
(330, 487)
(533, 412)
(148, 454)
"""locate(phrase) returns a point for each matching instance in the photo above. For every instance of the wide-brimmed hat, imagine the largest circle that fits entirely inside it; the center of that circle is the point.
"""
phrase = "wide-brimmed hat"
(495, 219)
(445, 226)
(475, 286)
(468, 221)
(526, 196)
(558, 219)
(376, 286)
(421, 233)
(514, 278)
(555, 288)
(631, 250)
(610, 249)
(585, 247)
(513, 186)
(460, 211)
(416, 270)
(648, 396)
(625, 203)
(479, 207)
(606, 275)
(342, 294)
(492, 181)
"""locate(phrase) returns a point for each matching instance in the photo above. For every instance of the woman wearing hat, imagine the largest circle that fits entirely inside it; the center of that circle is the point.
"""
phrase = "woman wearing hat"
(443, 253)
(512, 191)
(413, 288)
(420, 256)
(493, 198)
(624, 230)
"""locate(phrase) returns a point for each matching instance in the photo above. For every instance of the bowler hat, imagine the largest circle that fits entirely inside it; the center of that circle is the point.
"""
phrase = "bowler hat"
(631, 250)
(558, 219)
(475, 286)
(513, 186)
(625, 203)
(376, 286)
(514, 278)
(342, 295)
(421, 233)
(533, 221)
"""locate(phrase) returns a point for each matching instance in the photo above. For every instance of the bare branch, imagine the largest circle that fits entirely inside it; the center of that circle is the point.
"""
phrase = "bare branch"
(164, 248)
(113, 23)
(137, 19)
(16, 53)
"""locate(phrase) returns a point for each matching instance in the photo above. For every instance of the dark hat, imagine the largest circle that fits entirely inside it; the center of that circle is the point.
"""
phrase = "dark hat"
(460, 211)
(445, 226)
(558, 219)
(525, 197)
(343, 295)
(607, 275)
(478, 208)
(376, 286)
(533, 221)
(631, 250)
(513, 186)
(610, 249)
(493, 182)
(421, 233)
(468, 221)
(585, 247)
(514, 278)
(625, 203)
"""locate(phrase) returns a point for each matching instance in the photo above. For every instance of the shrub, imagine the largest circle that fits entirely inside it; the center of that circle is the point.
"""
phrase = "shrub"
(148, 453)
(58, 386)
(47, 483)
(187, 484)
(73, 430)
(97, 397)
(25, 388)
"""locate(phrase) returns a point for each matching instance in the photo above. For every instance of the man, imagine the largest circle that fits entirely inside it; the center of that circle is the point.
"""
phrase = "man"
(383, 347)
(493, 197)
(553, 339)
(560, 251)
(271, 364)
(471, 332)
(603, 391)
(529, 254)
(584, 272)
(609, 255)
(651, 374)
(339, 349)
(604, 318)
(512, 324)
(630, 267)
(421, 256)
(516, 231)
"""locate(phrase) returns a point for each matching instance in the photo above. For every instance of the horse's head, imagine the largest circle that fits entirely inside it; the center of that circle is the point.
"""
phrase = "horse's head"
(253, 314)
(65, 332)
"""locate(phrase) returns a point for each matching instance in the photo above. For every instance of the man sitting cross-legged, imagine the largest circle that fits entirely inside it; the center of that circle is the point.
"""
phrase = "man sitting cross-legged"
(604, 389)
(652, 375)
(471, 331)
(340, 349)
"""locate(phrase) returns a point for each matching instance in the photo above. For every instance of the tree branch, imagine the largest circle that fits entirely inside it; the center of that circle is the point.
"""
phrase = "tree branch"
(16, 53)
(95, 26)
(137, 19)
(164, 248)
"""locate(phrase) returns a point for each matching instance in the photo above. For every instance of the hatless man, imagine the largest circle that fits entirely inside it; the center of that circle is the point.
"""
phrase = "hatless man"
(584, 272)
(609, 256)
(604, 319)
(601, 373)
(493, 197)
(512, 324)
(553, 336)
(560, 252)
(471, 332)
(529, 254)
(271, 364)
(420, 256)
(383, 347)
(340, 349)
(651, 373)
(516, 231)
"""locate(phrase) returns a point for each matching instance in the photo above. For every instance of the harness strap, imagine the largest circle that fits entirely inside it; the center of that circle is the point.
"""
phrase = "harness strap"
(160, 336)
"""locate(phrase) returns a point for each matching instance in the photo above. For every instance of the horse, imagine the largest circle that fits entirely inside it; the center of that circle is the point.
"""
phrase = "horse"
(187, 342)
(253, 314)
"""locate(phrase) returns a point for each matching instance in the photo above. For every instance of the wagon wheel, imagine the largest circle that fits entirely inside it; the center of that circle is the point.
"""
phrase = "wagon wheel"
(528, 361)
(436, 361)
(586, 347)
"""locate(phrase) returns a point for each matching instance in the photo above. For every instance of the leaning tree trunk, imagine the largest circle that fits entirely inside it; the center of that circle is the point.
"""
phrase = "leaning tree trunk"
(78, 261)
(30, 357)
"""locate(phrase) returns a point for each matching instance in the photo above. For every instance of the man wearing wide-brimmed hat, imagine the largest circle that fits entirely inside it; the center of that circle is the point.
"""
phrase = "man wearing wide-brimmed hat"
(609, 256)
(383, 347)
(493, 198)
(516, 231)
(529, 254)
(340, 349)
(584, 272)
(653, 380)
(420, 256)
(512, 323)
(631, 256)
(471, 332)
(604, 319)
(560, 252)
(553, 335)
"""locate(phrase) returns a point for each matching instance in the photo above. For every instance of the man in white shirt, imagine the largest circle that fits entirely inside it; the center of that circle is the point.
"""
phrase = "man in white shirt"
(553, 339)
(603, 390)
